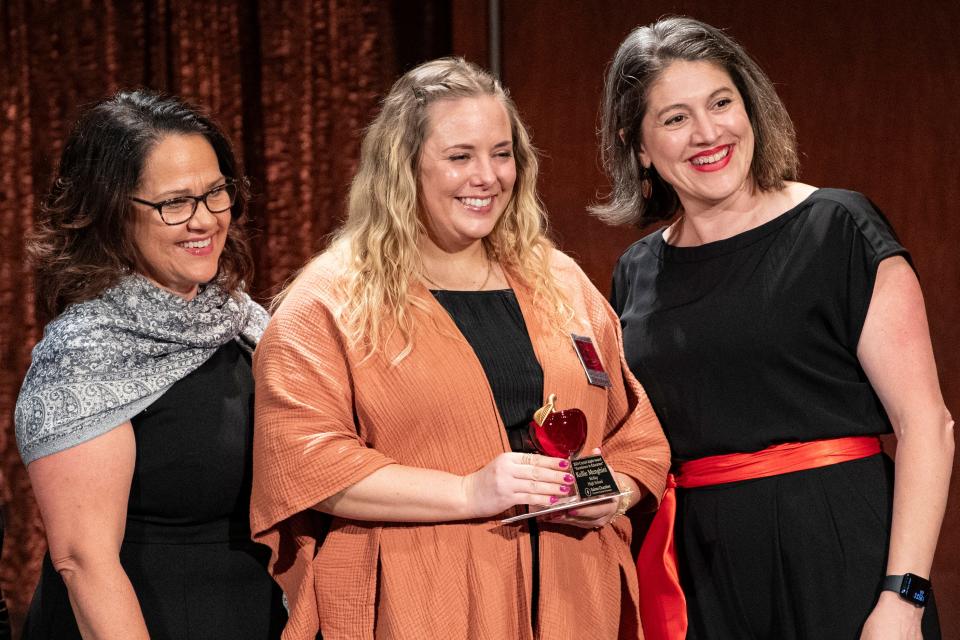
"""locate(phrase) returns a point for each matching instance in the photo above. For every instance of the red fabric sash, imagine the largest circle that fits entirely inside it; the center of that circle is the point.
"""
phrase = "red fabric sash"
(663, 609)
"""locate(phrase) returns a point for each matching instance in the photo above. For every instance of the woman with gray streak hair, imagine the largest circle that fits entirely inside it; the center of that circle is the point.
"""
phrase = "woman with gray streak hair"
(778, 328)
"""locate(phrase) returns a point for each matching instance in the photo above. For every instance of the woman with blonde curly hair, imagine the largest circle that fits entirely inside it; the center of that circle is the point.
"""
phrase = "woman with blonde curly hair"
(396, 382)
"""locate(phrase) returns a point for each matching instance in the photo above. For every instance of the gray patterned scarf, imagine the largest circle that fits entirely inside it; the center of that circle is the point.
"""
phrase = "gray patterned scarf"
(105, 360)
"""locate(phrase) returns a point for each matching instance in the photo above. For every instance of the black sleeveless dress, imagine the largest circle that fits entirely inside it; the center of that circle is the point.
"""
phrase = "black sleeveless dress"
(752, 341)
(187, 547)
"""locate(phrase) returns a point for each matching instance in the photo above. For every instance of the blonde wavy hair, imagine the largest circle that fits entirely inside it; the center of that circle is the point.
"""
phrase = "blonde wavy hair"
(379, 240)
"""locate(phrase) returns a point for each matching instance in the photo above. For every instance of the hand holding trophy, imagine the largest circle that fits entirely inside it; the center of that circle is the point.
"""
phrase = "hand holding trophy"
(562, 434)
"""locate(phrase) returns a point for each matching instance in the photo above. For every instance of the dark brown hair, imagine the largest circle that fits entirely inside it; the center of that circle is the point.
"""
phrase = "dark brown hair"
(638, 63)
(82, 242)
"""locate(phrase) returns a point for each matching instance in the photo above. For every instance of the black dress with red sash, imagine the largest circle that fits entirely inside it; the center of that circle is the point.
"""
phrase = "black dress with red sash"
(750, 342)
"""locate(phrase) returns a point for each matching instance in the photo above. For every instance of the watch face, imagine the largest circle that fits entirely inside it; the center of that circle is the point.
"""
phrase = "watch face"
(915, 589)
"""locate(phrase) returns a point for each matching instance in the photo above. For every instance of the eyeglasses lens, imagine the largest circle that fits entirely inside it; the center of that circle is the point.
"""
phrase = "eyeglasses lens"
(217, 200)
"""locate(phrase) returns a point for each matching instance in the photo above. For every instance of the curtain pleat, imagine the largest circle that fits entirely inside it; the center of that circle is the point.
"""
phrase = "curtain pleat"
(323, 68)
(292, 82)
(23, 539)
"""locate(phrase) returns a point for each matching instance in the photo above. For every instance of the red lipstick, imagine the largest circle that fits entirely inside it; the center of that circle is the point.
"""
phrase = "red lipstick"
(712, 166)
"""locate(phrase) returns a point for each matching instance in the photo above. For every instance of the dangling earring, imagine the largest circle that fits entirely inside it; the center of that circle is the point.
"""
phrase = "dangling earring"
(646, 184)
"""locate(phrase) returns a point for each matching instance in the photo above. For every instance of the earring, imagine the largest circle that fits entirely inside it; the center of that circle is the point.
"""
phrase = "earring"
(646, 184)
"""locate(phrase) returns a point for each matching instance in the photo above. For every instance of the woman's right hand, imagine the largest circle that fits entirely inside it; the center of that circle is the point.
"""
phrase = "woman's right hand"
(517, 478)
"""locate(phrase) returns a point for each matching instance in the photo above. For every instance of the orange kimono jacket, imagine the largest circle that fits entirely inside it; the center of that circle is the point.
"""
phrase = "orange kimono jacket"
(325, 420)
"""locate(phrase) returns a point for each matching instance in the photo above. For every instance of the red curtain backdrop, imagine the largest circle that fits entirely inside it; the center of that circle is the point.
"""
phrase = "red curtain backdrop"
(872, 86)
(292, 81)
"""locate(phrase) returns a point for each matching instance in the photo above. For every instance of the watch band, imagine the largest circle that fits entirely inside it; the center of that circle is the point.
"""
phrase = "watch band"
(913, 589)
(892, 583)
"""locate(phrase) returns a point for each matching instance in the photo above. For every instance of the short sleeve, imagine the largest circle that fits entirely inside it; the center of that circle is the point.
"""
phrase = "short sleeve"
(617, 285)
(306, 446)
(869, 239)
(621, 283)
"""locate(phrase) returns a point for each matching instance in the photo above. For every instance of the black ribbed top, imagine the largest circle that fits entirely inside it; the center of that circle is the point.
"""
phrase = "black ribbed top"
(492, 323)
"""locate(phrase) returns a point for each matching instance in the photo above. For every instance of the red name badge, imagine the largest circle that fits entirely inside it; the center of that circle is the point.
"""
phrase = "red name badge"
(590, 360)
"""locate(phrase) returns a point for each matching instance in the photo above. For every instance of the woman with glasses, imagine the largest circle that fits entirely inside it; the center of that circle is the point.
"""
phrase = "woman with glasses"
(134, 419)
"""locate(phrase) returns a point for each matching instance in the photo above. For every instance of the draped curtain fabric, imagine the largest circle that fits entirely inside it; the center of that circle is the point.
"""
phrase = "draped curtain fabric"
(292, 81)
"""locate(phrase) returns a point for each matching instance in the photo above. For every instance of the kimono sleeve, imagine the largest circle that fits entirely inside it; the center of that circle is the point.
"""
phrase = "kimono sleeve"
(306, 443)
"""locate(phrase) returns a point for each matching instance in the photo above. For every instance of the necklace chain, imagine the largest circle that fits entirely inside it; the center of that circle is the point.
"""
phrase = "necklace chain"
(439, 286)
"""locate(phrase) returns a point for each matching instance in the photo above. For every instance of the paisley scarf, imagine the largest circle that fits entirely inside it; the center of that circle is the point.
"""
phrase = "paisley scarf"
(105, 360)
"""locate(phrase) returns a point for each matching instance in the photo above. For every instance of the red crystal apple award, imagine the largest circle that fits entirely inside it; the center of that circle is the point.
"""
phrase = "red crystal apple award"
(561, 434)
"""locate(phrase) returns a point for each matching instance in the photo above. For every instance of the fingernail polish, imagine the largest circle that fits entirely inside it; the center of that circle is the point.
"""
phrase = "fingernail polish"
(553, 499)
(572, 512)
(564, 464)
(565, 488)
(568, 478)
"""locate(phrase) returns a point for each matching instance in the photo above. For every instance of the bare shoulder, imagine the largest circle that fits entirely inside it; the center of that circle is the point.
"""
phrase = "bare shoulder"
(776, 203)
(797, 192)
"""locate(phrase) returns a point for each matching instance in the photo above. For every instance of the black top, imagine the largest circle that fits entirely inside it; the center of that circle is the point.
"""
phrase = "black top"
(751, 341)
(192, 479)
(491, 321)
(187, 548)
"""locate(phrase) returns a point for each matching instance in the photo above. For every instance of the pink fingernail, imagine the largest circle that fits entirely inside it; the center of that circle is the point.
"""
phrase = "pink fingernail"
(564, 464)
(565, 489)
(553, 499)
(572, 512)
(568, 478)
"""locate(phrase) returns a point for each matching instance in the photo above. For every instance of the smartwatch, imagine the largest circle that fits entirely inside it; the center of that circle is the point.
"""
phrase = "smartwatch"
(911, 588)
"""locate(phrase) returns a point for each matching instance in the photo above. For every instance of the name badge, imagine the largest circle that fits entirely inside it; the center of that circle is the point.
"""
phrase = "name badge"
(590, 360)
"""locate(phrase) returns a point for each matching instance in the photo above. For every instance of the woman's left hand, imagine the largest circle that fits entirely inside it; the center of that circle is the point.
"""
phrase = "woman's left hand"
(893, 619)
(594, 515)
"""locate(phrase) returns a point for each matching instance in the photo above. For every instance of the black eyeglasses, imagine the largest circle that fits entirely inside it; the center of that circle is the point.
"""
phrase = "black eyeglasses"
(180, 209)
